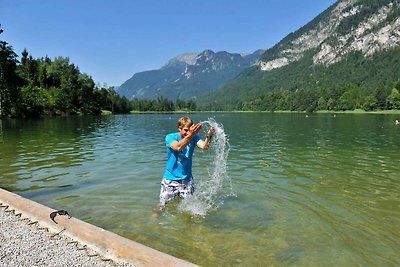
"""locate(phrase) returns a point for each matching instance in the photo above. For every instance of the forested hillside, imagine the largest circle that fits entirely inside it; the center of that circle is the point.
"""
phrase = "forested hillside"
(346, 58)
(354, 83)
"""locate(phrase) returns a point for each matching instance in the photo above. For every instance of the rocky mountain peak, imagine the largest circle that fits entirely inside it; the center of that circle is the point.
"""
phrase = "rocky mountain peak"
(188, 75)
(210, 61)
(347, 26)
(183, 59)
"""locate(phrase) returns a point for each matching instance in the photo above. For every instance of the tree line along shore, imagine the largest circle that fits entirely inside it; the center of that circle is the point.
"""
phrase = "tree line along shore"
(37, 87)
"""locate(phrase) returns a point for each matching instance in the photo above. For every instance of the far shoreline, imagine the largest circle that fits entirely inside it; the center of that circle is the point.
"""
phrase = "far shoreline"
(356, 111)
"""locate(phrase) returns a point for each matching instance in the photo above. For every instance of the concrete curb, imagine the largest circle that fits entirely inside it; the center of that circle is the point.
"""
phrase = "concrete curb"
(106, 243)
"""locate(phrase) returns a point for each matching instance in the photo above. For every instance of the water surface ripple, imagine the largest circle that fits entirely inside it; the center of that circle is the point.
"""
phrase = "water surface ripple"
(317, 190)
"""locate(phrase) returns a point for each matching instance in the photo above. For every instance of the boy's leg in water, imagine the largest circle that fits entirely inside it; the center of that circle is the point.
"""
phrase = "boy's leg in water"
(168, 191)
(171, 189)
(186, 188)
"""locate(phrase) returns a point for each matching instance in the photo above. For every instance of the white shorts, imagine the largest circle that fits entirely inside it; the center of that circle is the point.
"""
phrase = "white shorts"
(173, 188)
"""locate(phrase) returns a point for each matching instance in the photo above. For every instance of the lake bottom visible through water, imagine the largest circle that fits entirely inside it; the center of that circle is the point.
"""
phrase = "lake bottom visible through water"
(290, 189)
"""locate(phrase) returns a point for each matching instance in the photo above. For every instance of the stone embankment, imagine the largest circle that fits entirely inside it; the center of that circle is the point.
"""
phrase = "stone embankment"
(29, 237)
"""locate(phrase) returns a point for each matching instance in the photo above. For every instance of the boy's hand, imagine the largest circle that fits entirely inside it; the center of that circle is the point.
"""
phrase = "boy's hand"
(210, 132)
(195, 128)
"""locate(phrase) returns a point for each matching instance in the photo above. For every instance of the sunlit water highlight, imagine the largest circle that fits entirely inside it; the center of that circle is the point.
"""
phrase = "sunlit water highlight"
(211, 190)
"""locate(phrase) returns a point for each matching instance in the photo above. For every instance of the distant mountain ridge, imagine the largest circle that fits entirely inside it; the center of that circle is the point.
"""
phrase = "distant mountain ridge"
(188, 75)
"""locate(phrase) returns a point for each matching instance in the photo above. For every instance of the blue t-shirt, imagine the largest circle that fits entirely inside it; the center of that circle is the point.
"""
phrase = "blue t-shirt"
(179, 163)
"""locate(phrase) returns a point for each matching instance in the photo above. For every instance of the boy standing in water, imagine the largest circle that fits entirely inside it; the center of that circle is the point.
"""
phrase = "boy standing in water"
(178, 179)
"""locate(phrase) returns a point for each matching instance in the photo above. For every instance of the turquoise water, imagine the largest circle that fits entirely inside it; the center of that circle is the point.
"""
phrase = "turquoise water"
(321, 190)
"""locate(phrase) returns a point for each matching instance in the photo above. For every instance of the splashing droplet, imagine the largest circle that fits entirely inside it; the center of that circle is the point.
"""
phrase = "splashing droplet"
(209, 192)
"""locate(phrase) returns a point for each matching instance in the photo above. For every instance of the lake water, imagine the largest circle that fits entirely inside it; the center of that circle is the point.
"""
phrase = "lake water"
(321, 190)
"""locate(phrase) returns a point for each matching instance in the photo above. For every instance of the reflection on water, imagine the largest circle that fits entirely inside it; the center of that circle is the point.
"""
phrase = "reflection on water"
(309, 191)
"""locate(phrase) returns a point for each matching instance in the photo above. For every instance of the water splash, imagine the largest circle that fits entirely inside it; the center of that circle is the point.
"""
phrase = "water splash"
(210, 192)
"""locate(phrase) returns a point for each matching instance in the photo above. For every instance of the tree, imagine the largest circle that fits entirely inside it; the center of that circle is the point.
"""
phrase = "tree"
(28, 70)
(321, 104)
(163, 104)
(33, 102)
(8, 78)
(394, 99)
(381, 94)
(286, 101)
(113, 96)
(191, 105)
(180, 104)
(370, 103)
(331, 105)
(352, 98)
(43, 76)
(86, 96)
(124, 105)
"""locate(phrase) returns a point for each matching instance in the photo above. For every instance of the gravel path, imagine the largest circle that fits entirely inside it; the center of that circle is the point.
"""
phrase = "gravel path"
(23, 245)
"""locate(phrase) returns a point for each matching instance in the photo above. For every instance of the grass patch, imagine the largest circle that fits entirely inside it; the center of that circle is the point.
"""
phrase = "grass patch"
(106, 112)
(361, 111)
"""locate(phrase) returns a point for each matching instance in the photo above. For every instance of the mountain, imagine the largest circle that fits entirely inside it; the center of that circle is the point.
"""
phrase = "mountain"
(188, 75)
(352, 42)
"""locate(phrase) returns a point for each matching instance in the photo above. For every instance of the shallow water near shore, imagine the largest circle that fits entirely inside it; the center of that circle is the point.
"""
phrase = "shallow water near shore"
(321, 190)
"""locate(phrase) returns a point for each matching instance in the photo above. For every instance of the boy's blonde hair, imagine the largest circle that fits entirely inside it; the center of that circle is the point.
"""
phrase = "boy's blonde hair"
(185, 121)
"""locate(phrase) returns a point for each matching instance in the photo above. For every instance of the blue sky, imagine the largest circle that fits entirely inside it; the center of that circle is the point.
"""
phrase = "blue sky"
(112, 40)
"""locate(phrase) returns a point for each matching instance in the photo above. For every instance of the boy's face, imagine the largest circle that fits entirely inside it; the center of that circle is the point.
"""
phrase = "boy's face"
(183, 130)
